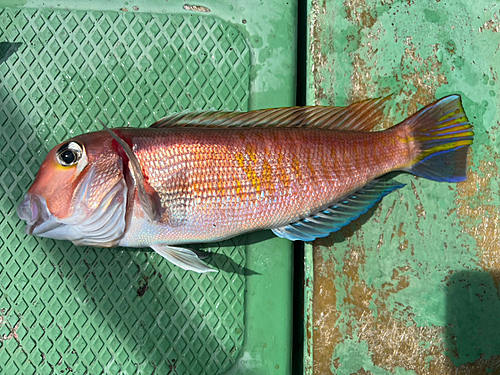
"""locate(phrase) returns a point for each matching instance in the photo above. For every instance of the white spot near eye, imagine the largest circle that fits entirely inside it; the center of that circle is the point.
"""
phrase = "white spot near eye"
(82, 163)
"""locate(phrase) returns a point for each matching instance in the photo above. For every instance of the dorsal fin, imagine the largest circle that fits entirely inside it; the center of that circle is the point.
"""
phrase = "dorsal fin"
(361, 116)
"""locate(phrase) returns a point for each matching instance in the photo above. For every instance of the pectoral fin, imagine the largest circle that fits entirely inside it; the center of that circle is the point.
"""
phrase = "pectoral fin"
(338, 215)
(184, 258)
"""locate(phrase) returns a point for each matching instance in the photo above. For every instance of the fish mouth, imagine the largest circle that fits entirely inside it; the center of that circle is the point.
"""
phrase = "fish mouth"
(33, 209)
(103, 226)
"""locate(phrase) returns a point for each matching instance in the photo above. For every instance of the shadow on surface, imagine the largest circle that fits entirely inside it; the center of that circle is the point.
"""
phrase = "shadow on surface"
(472, 332)
(8, 49)
(223, 262)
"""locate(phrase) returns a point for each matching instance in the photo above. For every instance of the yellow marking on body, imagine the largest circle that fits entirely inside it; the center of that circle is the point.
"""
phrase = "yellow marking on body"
(267, 176)
(249, 170)
(250, 149)
(283, 176)
(324, 168)
(241, 159)
(296, 168)
(311, 167)
(196, 187)
(239, 191)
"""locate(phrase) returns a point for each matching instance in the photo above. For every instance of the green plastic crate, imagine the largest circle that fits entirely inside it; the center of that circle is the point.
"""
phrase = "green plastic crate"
(84, 310)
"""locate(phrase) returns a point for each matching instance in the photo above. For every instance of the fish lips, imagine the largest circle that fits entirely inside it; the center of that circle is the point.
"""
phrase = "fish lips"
(103, 226)
(33, 209)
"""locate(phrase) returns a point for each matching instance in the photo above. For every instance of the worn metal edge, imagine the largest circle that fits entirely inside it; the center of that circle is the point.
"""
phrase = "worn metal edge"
(267, 345)
(308, 360)
(308, 308)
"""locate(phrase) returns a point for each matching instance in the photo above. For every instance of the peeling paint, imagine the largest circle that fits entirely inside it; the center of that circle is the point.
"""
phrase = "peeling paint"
(196, 8)
(477, 204)
(493, 24)
(317, 58)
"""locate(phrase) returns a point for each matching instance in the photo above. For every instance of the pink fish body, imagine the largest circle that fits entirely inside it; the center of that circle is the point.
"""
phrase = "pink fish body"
(302, 172)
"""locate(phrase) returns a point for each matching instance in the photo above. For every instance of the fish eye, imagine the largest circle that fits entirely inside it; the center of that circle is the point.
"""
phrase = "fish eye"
(69, 154)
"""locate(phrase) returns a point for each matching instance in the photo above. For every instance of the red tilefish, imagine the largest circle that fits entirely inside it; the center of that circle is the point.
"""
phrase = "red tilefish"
(303, 172)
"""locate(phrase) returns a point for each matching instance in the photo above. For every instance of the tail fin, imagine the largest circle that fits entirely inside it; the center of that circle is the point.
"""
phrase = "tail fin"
(440, 135)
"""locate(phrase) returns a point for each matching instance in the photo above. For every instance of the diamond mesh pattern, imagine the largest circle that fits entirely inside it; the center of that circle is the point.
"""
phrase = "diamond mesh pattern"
(114, 311)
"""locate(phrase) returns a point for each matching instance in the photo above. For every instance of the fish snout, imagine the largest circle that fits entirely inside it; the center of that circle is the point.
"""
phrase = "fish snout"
(32, 210)
(29, 209)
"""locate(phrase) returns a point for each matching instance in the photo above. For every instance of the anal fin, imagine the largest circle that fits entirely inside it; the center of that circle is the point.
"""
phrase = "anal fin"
(340, 214)
(184, 258)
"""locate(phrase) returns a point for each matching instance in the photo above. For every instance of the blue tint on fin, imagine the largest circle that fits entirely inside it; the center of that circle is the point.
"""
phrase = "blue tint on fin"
(442, 166)
(339, 214)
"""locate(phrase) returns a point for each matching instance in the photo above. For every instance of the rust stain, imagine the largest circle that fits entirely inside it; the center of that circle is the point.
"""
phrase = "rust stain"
(493, 24)
(403, 345)
(319, 60)
(480, 367)
(325, 313)
(402, 340)
(360, 79)
(427, 77)
(419, 208)
(357, 12)
(12, 329)
(481, 221)
(196, 8)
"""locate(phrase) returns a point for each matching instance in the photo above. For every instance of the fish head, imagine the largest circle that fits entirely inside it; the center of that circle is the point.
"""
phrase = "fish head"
(79, 193)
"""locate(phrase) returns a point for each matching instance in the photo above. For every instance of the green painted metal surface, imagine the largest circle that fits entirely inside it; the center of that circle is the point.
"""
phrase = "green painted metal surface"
(411, 287)
(122, 311)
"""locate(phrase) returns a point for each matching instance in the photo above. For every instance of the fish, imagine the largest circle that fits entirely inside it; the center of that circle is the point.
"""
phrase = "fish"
(205, 176)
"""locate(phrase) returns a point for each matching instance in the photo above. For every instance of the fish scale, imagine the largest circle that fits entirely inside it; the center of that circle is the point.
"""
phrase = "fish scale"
(215, 181)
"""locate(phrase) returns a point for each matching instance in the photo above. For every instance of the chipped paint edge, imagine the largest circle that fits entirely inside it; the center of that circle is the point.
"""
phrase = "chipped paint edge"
(308, 309)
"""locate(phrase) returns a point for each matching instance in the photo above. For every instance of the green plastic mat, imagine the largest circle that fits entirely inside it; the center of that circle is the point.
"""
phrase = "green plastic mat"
(84, 310)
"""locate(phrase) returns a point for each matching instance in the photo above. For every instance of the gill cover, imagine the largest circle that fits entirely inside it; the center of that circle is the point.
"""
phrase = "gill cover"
(148, 203)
